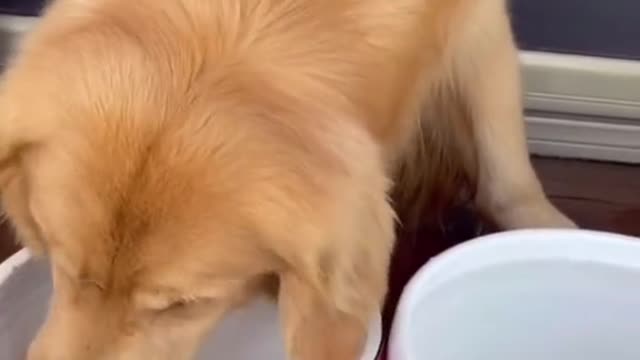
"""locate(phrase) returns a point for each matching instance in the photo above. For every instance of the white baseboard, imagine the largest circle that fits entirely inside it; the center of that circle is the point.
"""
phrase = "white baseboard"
(584, 107)
(584, 139)
(11, 30)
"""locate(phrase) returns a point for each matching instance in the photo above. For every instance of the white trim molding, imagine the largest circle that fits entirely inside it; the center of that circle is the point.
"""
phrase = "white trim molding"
(583, 139)
(578, 106)
(11, 30)
(16, 24)
(582, 107)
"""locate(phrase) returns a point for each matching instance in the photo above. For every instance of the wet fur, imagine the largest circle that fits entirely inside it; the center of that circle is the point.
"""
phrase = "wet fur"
(171, 158)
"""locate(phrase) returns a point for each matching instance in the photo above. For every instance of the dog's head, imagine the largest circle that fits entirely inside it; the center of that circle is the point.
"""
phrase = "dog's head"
(163, 198)
(148, 215)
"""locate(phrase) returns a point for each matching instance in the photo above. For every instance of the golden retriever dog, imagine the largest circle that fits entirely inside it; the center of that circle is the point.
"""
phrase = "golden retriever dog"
(172, 158)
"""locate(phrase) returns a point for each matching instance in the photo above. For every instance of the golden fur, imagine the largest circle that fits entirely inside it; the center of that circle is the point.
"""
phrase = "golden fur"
(170, 157)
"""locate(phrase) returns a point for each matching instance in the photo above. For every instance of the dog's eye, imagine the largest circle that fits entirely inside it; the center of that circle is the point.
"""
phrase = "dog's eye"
(181, 309)
(175, 306)
(91, 283)
(157, 303)
(169, 303)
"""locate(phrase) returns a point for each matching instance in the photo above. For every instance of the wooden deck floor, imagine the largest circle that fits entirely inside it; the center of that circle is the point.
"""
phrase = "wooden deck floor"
(598, 196)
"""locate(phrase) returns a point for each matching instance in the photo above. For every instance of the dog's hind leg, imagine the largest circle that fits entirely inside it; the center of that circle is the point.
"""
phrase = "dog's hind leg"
(486, 71)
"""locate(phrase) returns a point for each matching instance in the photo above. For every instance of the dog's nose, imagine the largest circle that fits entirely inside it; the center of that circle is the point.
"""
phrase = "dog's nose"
(31, 355)
(36, 352)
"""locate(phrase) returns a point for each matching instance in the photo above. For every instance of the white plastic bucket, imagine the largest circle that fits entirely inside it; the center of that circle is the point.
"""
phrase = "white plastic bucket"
(524, 295)
(248, 334)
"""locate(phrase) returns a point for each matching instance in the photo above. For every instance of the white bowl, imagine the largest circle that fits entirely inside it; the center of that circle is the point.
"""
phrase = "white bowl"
(248, 334)
(525, 295)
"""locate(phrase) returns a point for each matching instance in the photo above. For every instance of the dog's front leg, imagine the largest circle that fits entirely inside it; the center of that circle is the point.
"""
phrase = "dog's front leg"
(329, 298)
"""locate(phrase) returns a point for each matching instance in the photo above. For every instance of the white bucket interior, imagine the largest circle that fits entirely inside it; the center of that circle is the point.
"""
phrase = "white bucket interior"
(525, 295)
(248, 334)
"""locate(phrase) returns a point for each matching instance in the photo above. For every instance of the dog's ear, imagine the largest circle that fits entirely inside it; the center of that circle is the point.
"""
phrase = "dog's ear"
(10, 143)
(18, 132)
(25, 118)
(328, 300)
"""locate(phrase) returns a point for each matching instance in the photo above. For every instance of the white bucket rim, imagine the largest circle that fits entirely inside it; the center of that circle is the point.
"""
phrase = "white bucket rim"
(13, 262)
(516, 245)
(372, 350)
